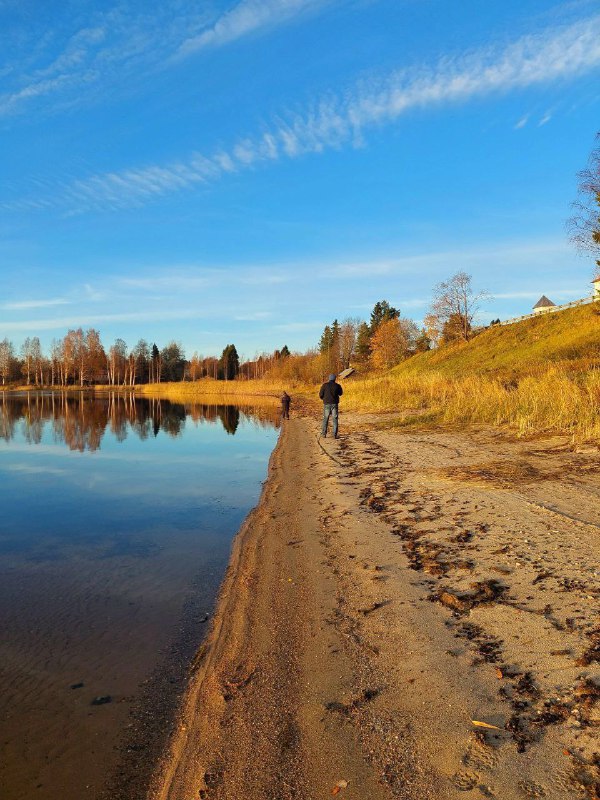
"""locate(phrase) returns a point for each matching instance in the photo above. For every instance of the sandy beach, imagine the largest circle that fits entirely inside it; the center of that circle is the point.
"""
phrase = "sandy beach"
(406, 614)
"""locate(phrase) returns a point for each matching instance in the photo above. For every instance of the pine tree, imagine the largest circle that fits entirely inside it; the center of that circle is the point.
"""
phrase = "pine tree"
(326, 342)
(363, 343)
(229, 364)
(382, 311)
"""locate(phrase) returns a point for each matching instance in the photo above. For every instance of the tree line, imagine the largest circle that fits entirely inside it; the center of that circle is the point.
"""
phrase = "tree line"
(388, 338)
(81, 359)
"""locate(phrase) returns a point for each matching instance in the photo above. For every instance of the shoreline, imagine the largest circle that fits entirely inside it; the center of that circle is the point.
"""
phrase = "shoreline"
(210, 653)
(342, 608)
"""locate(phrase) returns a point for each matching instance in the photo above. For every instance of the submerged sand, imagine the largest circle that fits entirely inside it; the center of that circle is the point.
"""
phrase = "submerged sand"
(406, 615)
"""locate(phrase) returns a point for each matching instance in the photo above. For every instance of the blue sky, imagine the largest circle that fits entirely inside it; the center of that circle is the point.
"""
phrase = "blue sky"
(218, 171)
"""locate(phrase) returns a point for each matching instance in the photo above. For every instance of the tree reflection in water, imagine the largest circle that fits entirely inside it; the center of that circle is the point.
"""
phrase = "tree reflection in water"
(80, 420)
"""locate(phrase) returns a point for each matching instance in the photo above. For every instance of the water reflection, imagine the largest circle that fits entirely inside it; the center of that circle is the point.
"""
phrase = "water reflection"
(81, 420)
(115, 532)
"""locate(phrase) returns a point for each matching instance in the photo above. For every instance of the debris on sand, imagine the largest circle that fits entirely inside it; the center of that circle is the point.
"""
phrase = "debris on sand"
(479, 724)
(592, 653)
(348, 708)
(339, 786)
(482, 592)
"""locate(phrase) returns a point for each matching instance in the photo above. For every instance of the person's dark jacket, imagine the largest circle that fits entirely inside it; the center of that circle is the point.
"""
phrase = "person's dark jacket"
(330, 393)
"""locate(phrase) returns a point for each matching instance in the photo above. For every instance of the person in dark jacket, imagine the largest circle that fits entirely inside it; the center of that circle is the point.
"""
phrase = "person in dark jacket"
(330, 394)
(285, 405)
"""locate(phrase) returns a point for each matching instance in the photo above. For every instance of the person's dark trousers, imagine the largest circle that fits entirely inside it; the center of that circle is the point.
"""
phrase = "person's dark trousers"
(285, 412)
(330, 410)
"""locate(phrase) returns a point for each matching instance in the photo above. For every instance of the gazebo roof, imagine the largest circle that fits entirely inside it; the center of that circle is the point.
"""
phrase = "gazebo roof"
(543, 302)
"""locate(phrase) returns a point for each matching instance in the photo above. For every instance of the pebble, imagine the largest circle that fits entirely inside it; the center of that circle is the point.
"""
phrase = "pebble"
(101, 700)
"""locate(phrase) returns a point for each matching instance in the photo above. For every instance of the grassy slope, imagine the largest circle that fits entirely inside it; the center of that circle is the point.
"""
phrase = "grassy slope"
(539, 375)
(569, 338)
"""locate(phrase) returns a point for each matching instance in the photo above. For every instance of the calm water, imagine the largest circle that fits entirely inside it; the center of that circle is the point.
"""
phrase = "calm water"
(116, 521)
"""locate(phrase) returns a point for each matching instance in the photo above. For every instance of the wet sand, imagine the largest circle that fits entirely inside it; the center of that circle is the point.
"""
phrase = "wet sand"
(405, 615)
(92, 633)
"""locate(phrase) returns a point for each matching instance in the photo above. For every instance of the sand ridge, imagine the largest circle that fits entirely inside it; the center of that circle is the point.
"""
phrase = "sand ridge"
(390, 590)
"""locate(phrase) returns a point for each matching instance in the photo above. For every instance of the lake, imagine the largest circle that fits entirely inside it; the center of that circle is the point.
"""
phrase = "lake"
(117, 515)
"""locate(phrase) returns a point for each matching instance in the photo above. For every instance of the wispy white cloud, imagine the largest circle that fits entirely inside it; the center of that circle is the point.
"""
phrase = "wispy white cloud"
(555, 54)
(29, 469)
(522, 122)
(258, 277)
(248, 16)
(254, 316)
(88, 319)
(191, 278)
(23, 305)
(93, 294)
(167, 283)
(121, 45)
(555, 291)
(292, 327)
(118, 48)
(494, 253)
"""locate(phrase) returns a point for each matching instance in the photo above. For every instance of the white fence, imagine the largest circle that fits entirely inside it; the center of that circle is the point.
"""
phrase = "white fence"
(550, 310)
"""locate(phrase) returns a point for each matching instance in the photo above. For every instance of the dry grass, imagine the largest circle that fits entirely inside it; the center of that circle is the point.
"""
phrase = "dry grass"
(555, 401)
(541, 375)
(207, 390)
(568, 338)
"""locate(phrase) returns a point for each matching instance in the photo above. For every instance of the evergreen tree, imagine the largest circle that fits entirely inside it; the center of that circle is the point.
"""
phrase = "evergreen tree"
(382, 311)
(334, 356)
(173, 362)
(285, 352)
(229, 364)
(363, 343)
(142, 360)
(155, 365)
(326, 342)
(230, 418)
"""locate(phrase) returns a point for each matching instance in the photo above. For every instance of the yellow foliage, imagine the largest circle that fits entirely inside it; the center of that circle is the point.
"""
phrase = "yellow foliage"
(388, 344)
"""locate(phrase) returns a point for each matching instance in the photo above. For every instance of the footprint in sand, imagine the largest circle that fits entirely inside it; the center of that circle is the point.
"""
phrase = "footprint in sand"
(530, 789)
(465, 780)
(480, 756)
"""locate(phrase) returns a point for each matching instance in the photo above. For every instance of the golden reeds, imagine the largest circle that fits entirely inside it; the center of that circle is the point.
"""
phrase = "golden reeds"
(553, 401)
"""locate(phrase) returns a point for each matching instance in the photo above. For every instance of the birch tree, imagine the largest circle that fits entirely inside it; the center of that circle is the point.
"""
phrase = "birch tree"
(456, 304)
(585, 224)
(6, 360)
(27, 359)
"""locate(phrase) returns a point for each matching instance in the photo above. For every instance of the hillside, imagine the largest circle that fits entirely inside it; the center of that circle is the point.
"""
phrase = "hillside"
(569, 338)
(540, 375)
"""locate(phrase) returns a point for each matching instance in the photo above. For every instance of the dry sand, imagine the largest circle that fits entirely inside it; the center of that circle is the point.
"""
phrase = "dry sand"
(391, 590)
